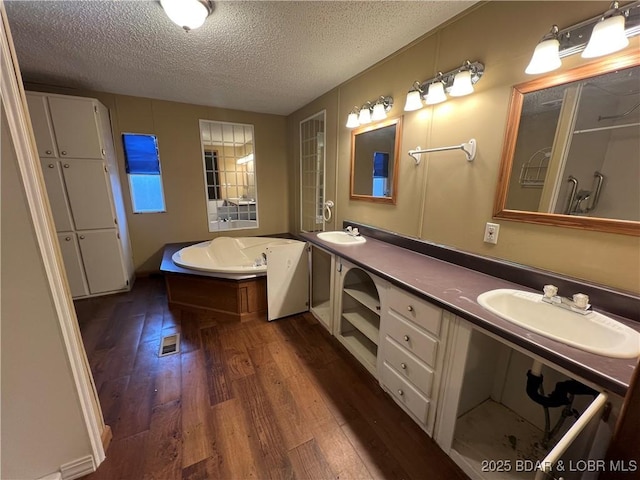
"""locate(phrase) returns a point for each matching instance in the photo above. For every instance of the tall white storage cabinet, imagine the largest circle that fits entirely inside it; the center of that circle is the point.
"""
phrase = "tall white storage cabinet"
(75, 146)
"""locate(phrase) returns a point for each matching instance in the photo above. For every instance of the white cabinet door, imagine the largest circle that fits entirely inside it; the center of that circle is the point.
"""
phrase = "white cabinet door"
(73, 264)
(75, 126)
(287, 280)
(56, 193)
(39, 113)
(102, 258)
(89, 194)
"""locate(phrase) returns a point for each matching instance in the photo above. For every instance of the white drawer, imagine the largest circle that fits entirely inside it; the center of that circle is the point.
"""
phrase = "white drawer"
(405, 394)
(413, 339)
(408, 366)
(422, 313)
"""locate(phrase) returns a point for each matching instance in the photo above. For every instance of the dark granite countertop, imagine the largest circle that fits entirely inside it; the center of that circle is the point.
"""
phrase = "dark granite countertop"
(455, 288)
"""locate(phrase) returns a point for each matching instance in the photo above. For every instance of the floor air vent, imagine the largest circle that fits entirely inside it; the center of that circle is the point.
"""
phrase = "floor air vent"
(169, 345)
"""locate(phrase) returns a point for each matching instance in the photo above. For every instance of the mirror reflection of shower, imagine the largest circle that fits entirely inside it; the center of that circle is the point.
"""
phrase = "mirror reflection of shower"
(582, 202)
(578, 149)
(228, 154)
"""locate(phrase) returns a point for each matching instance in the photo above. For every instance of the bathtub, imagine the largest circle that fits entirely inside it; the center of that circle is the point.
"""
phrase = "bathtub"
(228, 255)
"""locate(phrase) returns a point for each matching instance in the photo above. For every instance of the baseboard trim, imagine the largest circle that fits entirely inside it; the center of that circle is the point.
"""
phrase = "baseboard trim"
(106, 436)
(78, 468)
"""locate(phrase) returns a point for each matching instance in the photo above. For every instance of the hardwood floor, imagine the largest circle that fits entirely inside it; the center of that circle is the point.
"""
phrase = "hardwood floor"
(241, 400)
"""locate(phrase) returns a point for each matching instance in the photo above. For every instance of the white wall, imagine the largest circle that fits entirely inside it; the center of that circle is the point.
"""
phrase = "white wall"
(41, 422)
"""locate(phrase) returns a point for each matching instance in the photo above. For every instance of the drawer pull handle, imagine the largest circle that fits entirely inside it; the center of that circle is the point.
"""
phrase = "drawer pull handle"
(400, 392)
(68, 239)
(406, 338)
(81, 237)
(48, 152)
(403, 366)
(410, 308)
(63, 152)
(51, 165)
(66, 165)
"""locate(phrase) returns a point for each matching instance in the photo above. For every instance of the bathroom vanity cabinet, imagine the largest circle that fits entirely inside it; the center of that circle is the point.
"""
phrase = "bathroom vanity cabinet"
(73, 138)
(464, 385)
(414, 333)
(357, 327)
(492, 429)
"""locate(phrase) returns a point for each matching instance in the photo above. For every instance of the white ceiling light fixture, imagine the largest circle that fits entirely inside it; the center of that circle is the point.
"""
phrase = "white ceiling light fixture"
(380, 108)
(608, 34)
(594, 37)
(414, 98)
(369, 112)
(461, 84)
(435, 94)
(364, 116)
(546, 56)
(456, 83)
(188, 14)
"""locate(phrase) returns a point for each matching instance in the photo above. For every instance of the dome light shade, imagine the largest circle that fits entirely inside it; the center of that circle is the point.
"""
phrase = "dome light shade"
(188, 14)
(546, 57)
(461, 84)
(352, 120)
(379, 113)
(435, 94)
(365, 116)
(414, 102)
(607, 37)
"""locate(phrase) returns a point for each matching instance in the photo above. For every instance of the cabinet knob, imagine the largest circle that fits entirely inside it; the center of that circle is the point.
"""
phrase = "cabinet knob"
(51, 165)
(63, 152)
(410, 308)
(400, 392)
(68, 239)
(66, 165)
(48, 152)
(406, 337)
(403, 366)
(81, 237)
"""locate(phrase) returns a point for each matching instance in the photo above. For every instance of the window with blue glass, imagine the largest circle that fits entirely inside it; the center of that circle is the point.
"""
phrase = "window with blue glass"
(380, 174)
(142, 164)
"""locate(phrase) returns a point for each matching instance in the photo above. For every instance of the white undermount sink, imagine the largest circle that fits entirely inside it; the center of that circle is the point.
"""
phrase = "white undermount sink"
(341, 238)
(593, 332)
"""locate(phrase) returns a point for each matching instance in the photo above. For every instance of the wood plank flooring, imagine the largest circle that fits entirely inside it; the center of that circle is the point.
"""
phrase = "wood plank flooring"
(241, 400)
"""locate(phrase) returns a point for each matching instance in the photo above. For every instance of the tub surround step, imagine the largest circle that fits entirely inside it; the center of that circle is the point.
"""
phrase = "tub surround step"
(233, 300)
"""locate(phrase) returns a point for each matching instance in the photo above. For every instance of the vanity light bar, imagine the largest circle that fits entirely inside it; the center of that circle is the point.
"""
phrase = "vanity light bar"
(369, 112)
(584, 35)
(455, 83)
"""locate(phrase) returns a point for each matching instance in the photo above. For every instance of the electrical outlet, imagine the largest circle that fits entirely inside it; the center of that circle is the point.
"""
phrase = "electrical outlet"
(491, 231)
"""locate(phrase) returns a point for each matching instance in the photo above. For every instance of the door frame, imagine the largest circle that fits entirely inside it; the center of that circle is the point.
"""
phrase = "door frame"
(19, 123)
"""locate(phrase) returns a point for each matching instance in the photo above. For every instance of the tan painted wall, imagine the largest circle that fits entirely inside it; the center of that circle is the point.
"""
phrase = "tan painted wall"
(446, 199)
(39, 400)
(177, 129)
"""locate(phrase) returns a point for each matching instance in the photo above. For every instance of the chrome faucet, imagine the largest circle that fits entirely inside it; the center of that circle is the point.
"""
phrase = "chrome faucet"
(353, 231)
(579, 303)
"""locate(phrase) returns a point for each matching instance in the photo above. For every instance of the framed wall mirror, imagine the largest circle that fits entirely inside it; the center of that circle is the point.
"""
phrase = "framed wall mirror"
(375, 151)
(228, 156)
(572, 149)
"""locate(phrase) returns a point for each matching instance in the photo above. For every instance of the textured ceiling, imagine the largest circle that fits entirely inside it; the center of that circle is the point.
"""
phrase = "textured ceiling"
(260, 56)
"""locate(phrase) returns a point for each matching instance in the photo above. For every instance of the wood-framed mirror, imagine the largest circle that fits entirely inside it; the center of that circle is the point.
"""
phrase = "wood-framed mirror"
(571, 155)
(375, 152)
